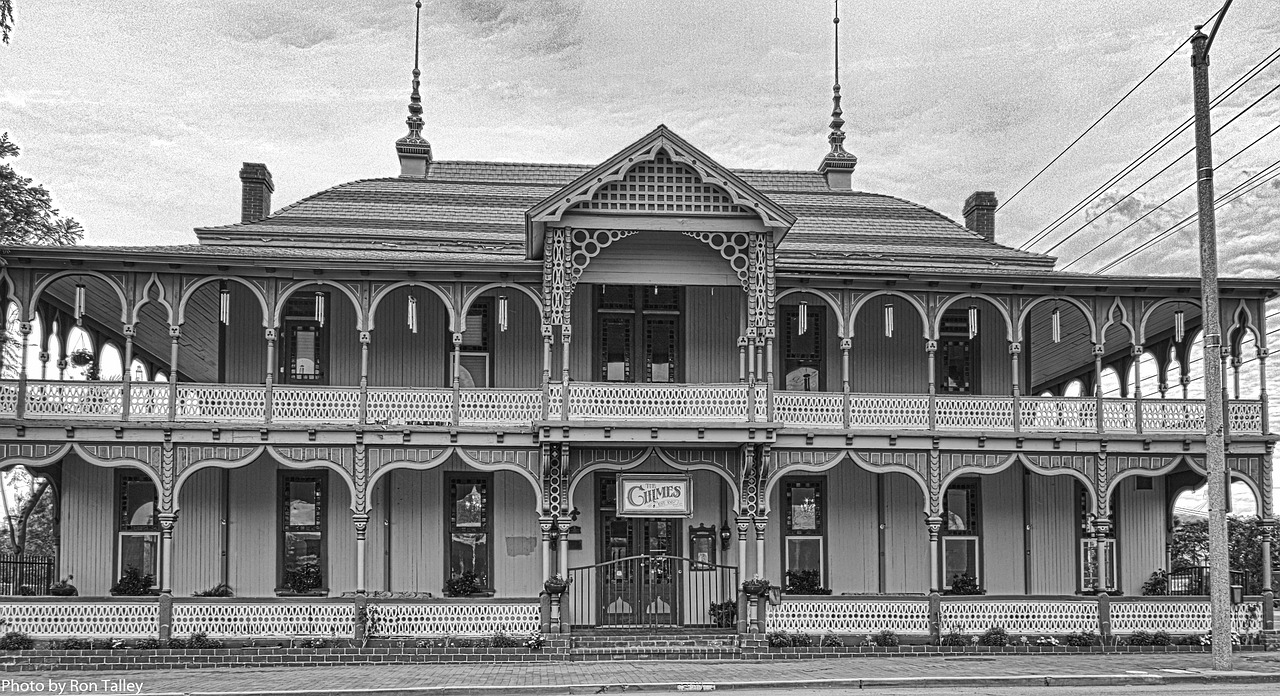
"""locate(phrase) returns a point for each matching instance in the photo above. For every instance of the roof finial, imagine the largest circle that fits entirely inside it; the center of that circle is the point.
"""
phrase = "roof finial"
(413, 149)
(837, 161)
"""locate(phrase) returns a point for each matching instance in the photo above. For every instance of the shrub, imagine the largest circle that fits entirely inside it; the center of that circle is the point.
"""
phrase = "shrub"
(1082, 639)
(1161, 638)
(303, 578)
(1047, 641)
(316, 643)
(964, 584)
(831, 640)
(1139, 638)
(502, 640)
(801, 640)
(104, 644)
(1157, 584)
(724, 614)
(805, 582)
(462, 585)
(133, 583)
(535, 641)
(147, 644)
(222, 589)
(995, 636)
(16, 640)
(26, 591)
(954, 638)
(175, 644)
(202, 641)
(886, 639)
(778, 639)
(1194, 639)
(72, 644)
(63, 588)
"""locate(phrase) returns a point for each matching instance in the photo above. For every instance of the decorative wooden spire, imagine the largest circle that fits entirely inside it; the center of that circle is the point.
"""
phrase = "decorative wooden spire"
(413, 149)
(838, 165)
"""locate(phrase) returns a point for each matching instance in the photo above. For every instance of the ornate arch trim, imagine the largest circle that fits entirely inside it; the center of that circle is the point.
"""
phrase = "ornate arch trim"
(826, 297)
(524, 462)
(956, 465)
(913, 301)
(288, 291)
(470, 295)
(1076, 466)
(1146, 316)
(591, 460)
(1025, 315)
(257, 293)
(381, 461)
(1124, 321)
(716, 461)
(162, 298)
(190, 460)
(1000, 307)
(34, 454)
(54, 277)
(783, 462)
(444, 296)
(337, 459)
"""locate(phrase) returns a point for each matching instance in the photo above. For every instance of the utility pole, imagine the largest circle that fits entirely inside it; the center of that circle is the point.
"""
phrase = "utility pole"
(1215, 453)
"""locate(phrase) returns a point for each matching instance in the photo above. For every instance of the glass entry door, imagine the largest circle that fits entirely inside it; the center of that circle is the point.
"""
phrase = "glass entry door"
(639, 565)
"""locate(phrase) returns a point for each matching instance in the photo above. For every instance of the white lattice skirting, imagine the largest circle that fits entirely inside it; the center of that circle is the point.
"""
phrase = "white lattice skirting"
(451, 619)
(1020, 617)
(82, 619)
(1179, 617)
(850, 617)
(239, 619)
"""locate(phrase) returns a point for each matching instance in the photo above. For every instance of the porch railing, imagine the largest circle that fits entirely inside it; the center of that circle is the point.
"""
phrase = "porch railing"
(596, 401)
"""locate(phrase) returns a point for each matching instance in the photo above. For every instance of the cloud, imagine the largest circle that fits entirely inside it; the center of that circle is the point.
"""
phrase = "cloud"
(282, 23)
(543, 27)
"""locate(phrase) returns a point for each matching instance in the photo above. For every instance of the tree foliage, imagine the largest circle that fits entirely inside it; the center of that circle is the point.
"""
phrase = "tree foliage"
(6, 19)
(29, 514)
(27, 215)
(1190, 547)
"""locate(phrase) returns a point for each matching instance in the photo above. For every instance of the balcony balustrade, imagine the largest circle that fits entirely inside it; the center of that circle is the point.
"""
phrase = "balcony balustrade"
(594, 401)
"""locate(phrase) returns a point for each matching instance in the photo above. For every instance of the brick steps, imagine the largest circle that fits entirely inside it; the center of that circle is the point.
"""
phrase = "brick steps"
(664, 644)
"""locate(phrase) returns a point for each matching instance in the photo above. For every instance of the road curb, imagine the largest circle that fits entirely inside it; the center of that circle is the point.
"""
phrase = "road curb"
(1040, 681)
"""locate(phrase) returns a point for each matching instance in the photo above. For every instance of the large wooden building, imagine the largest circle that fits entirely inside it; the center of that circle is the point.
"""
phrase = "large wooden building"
(657, 375)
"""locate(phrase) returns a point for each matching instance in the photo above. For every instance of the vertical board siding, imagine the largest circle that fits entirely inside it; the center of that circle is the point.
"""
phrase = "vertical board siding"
(1141, 521)
(1052, 514)
(344, 340)
(853, 540)
(417, 531)
(88, 526)
(516, 358)
(882, 365)
(581, 350)
(254, 529)
(245, 357)
(197, 536)
(1003, 540)
(340, 537)
(660, 258)
(711, 319)
(517, 538)
(995, 369)
(906, 540)
(400, 358)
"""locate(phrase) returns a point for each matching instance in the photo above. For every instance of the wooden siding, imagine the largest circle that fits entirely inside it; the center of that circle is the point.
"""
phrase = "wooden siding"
(712, 320)
(853, 535)
(197, 536)
(659, 258)
(883, 365)
(397, 356)
(1052, 509)
(516, 359)
(255, 531)
(88, 526)
(1003, 529)
(995, 367)
(1141, 521)
(245, 359)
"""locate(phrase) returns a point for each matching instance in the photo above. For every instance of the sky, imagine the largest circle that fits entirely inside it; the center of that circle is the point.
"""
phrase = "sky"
(137, 115)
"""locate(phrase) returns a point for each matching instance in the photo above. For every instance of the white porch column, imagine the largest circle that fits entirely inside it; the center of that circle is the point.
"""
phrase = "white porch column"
(544, 525)
(271, 371)
(24, 329)
(935, 530)
(566, 339)
(1137, 388)
(931, 348)
(743, 524)
(167, 521)
(562, 526)
(1262, 393)
(174, 333)
(361, 521)
(456, 379)
(1015, 352)
(126, 373)
(760, 524)
(1097, 383)
(1101, 530)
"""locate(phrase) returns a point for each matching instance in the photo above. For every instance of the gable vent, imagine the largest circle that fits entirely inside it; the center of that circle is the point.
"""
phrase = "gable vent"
(662, 186)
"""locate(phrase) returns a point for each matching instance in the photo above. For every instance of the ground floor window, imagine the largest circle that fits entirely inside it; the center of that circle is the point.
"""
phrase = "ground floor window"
(469, 510)
(137, 528)
(302, 531)
(962, 535)
(1091, 570)
(804, 533)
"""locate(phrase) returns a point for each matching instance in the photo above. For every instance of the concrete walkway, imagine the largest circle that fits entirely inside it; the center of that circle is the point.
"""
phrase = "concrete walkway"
(617, 677)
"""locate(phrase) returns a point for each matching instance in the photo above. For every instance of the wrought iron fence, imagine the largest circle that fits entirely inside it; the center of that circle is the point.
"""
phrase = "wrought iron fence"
(654, 590)
(25, 575)
(1194, 580)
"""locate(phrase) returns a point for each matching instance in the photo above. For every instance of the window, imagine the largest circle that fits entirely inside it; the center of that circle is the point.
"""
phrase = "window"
(802, 356)
(473, 358)
(804, 525)
(957, 355)
(302, 532)
(304, 354)
(1090, 571)
(137, 529)
(469, 511)
(639, 330)
(962, 532)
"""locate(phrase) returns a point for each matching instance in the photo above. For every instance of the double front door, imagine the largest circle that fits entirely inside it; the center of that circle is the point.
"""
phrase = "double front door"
(640, 571)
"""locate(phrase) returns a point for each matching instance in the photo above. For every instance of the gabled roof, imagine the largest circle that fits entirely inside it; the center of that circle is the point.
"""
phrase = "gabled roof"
(648, 148)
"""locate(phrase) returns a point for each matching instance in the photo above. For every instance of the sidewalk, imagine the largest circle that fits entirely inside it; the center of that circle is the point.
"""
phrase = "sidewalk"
(601, 677)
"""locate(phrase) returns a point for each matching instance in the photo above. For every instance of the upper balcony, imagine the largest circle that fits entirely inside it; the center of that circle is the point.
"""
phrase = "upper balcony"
(736, 403)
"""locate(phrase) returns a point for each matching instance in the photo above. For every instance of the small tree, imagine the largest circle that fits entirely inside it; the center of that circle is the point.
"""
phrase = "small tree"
(27, 215)
(1190, 547)
(29, 516)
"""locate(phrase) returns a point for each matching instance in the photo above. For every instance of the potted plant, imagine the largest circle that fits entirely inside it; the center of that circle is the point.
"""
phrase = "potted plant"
(134, 584)
(964, 584)
(304, 579)
(556, 584)
(63, 588)
(805, 582)
(756, 586)
(464, 584)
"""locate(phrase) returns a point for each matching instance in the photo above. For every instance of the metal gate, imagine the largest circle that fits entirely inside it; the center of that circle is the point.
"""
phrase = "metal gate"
(648, 590)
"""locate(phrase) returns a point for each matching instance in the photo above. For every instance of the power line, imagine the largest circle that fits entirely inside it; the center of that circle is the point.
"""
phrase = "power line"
(1225, 94)
(1099, 245)
(1094, 124)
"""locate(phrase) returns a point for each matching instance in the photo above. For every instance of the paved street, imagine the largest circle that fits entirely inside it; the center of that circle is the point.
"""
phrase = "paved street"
(592, 677)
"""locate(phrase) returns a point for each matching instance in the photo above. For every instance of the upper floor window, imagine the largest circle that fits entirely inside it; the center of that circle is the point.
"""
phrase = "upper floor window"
(957, 354)
(302, 531)
(137, 528)
(962, 532)
(476, 351)
(802, 355)
(304, 354)
(639, 332)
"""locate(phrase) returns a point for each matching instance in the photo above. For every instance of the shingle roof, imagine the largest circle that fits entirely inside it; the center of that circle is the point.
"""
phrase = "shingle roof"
(475, 210)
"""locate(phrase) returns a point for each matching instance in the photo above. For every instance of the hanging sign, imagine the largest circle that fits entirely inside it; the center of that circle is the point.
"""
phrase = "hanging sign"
(649, 495)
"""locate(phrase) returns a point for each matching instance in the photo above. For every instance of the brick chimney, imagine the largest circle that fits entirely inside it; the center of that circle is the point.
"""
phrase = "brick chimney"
(255, 192)
(980, 214)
